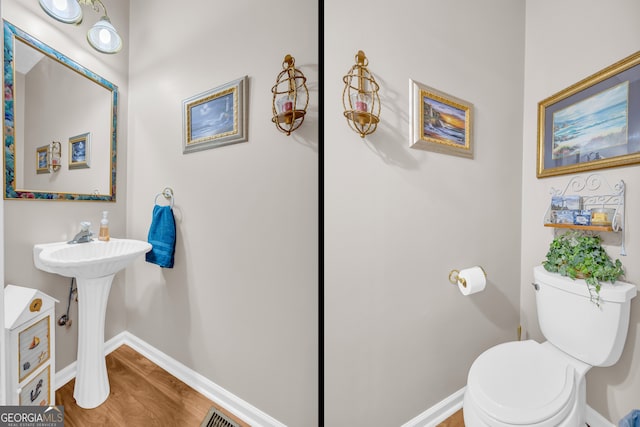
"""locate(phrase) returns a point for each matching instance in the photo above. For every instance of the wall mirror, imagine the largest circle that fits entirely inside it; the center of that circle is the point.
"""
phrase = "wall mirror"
(59, 127)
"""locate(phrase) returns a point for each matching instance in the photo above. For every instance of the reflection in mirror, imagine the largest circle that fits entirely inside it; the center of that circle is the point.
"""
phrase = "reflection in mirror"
(49, 97)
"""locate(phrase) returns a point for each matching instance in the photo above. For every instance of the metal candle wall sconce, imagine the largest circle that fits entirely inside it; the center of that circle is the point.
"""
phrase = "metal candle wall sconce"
(55, 154)
(360, 97)
(290, 97)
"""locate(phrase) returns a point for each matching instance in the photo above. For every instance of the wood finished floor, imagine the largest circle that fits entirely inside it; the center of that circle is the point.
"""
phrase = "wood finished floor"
(455, 420)
(145, 395)
(142, 395)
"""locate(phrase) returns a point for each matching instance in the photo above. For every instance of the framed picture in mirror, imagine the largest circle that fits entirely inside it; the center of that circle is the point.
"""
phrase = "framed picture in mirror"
(80, 151)
(42, 159)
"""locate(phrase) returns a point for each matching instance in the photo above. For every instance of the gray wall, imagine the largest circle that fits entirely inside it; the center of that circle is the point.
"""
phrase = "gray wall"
(72, 106)
(399, 337)
(240, 306)
(566, 42)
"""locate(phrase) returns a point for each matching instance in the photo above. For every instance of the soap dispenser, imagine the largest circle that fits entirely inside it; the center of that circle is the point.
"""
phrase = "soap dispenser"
(104, 227)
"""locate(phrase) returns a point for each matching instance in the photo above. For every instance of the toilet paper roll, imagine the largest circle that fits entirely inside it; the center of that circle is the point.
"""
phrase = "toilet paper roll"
(472, 280)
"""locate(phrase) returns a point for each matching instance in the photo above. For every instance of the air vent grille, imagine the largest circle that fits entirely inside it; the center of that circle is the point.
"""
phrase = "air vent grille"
(215, 418)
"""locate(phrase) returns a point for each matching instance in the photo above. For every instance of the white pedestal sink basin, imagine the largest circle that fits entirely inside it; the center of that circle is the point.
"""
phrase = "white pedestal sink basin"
(93, 264)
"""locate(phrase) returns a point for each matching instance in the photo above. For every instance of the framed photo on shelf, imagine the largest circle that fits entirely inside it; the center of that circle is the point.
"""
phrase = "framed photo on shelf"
(42, 159)
(440, 122)
(80, 151)
(593, 124)
(216, 117)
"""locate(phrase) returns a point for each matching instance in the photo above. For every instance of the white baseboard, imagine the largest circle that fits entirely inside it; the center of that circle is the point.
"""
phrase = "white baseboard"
(447, 407)
(594, 419)
(438, 412)
(238, 407)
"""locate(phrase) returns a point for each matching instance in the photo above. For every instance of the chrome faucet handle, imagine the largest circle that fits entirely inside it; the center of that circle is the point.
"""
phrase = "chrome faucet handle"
(84, 235)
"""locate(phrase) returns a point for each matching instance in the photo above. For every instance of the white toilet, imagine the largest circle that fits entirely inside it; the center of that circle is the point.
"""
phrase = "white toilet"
(525, 383)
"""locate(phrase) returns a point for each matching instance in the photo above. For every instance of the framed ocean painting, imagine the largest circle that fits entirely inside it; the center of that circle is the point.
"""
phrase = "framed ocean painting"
(593, 124)
(80, 151)
(42, 159)
(216, 117)
(440, 122)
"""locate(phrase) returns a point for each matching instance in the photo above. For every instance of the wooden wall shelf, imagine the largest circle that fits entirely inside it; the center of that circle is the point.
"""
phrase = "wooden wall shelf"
(582, 227)
(594, 192)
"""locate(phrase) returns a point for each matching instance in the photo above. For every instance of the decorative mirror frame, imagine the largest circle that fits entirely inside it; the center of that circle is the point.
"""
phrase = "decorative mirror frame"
(11, 32)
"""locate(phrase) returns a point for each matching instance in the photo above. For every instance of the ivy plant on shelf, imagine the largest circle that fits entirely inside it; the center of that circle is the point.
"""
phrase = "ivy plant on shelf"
(581, 256)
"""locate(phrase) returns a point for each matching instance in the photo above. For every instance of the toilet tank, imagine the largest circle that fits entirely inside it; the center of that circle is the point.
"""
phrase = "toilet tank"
(577, 326)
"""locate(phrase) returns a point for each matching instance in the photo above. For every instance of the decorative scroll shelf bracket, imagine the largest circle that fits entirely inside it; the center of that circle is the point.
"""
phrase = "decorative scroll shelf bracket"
(596, 192)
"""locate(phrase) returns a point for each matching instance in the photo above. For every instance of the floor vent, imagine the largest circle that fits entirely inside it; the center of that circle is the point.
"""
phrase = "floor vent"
(215, 418)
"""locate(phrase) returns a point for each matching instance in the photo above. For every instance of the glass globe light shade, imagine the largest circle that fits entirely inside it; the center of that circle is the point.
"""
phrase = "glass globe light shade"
(67, 11)
(103, 37)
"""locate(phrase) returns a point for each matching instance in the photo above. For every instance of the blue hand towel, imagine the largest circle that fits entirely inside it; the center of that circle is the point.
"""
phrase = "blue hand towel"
(631, 420)
(162, 236)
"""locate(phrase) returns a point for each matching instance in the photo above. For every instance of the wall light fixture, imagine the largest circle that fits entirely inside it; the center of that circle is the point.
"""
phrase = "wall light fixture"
(360, 97)
(103, 37)
(290, 97)
(54, 158)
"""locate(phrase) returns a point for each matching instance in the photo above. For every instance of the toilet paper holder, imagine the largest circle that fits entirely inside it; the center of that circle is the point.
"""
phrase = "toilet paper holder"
(455, 279)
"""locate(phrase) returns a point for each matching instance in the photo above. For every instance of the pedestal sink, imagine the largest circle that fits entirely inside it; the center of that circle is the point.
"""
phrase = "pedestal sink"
(93, 264)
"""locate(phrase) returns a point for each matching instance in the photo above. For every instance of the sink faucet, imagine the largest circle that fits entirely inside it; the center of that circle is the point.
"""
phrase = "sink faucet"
(84, 235)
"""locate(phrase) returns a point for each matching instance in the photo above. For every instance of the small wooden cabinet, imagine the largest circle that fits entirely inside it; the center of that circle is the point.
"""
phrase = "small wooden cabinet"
(30, 340)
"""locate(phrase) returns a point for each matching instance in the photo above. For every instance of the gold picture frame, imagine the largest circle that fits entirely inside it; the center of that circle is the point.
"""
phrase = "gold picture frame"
(42, 159)
(80, 151)
(440, 122)
(593, 124)
(216, 117)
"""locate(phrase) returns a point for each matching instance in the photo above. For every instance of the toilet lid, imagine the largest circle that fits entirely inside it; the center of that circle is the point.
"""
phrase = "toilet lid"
(521, 383)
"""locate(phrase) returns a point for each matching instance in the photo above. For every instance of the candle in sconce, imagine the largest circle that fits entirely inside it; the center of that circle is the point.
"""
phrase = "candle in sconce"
(285, 103)
(360, 102)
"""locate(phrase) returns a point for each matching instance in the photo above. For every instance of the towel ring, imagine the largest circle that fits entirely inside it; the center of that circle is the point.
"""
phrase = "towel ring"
(167, 193)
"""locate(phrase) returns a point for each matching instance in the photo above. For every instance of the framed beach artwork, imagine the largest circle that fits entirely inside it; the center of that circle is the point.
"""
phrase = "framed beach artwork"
(593, 124)
(80, 151)
(42, 159)
(440, 122)
(216, 117)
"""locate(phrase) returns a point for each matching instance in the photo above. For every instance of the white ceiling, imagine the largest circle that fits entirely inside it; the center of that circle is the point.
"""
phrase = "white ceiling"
(25, 57)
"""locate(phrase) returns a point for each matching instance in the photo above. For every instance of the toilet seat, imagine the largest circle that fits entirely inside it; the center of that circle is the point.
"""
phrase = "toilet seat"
(522, 383)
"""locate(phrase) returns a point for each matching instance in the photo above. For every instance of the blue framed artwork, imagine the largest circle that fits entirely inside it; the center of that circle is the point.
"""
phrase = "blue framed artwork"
(216, 117)
(80, 151)
(593, 124)
(42, 159)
